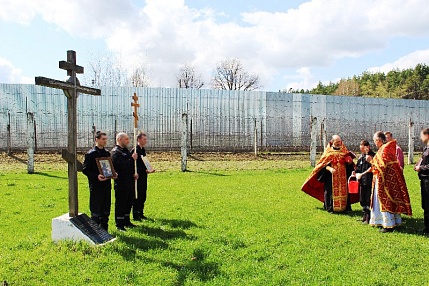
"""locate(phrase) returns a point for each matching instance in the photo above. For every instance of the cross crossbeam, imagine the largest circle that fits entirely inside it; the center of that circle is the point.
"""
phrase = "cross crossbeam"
(65, 85)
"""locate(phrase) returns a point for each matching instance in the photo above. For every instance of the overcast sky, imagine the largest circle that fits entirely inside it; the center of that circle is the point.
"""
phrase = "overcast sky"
(289, 43)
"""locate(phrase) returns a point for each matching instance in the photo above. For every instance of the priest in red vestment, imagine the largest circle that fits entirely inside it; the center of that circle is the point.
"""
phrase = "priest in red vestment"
(390, 196)
(328, 181)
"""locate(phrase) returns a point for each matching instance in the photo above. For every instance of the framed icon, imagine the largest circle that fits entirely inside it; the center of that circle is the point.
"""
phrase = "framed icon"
(105, 167)
(147, 163)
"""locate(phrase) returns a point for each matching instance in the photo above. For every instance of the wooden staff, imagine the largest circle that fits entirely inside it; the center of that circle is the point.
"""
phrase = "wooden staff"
(136, 119)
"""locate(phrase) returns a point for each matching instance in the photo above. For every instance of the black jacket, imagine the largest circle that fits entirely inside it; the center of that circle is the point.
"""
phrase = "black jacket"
(124, 165)
(424, 165)
(141, 167)
(362, 166)
(90, 168)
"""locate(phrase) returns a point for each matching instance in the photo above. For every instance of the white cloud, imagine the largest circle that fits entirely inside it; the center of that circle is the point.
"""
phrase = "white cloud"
(11, 74)
(405, 62)
(302, 80)
(170, 33)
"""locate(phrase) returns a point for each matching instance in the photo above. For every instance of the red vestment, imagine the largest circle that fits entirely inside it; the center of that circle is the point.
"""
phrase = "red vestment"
(392, 189)
(337, 159)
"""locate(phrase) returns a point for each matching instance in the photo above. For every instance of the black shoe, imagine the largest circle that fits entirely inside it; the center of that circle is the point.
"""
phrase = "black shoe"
(144, 217)
(130, 225)
(120, 228)
(386, 230)
(366, 218)
(137, 218)
(425, 231)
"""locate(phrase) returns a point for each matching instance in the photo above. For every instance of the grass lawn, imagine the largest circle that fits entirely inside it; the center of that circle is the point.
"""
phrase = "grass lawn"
(249, 227)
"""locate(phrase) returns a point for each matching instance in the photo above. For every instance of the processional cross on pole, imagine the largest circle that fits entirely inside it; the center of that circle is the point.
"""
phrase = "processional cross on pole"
(135, 104)
(71, 89)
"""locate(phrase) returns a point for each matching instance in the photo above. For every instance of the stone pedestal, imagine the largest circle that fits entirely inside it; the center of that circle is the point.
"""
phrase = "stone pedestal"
(64, 229)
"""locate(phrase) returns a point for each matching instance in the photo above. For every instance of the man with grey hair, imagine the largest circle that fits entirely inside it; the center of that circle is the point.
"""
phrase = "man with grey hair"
(123, 161)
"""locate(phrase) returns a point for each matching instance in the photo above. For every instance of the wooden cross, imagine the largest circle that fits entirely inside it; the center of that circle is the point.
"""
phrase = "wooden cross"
(135, 105)
(71, 89)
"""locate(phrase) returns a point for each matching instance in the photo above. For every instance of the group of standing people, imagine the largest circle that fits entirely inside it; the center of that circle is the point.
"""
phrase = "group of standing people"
(124, 178)
(383, 192)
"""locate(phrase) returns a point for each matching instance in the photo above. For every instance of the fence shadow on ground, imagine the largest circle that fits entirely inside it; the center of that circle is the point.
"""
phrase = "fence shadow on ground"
(18, 159)
(208, 173)
(50, 175)
(193, 157)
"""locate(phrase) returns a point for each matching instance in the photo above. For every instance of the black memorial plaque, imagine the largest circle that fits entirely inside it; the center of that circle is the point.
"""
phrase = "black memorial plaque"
(92, 230)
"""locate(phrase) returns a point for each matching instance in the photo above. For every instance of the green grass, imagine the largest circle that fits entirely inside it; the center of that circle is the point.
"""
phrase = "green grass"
(251, 227)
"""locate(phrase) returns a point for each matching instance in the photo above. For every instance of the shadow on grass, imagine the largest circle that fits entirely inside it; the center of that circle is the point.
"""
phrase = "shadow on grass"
(18, 159)
(163, 234)
(156, 237)
(411, 225)
(178, 223)
(196, 268)
(355, 212)
(208, 173)
(49, 175)
(196, 158)
(133, 244)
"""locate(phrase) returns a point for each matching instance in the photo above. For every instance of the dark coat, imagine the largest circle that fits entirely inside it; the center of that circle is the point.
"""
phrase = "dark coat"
(363, 165)
(90, 168)
(424, 165)
(124, 165)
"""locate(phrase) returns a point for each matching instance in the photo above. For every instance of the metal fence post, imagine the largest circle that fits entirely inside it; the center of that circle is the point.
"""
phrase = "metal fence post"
(9, 140)
(184, 142)
(255, 138)
(411, 142)
(313, 144)
(30, 142)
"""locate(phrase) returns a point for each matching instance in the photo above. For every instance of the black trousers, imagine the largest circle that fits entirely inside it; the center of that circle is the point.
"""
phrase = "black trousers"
(424, 184)
(365, 196)
(99, 205)
(138, 204)
(124, 196)
(329, 203)
(329, 200)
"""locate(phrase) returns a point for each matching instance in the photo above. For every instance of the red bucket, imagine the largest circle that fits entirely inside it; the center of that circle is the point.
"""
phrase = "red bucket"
(353, 185)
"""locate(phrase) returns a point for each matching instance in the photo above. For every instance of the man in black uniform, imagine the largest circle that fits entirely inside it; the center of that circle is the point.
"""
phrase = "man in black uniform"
(138, 205)
(365, 182)
(99, 186)
(422, 168)
(123, 162)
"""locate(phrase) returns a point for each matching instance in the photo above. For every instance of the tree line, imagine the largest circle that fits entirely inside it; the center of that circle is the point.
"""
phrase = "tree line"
(412, 83)
(229, 74)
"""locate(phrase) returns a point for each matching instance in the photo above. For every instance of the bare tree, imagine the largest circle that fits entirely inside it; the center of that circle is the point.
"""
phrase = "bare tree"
(105, 70)
(231, 75)
(108, 70)
(139, 75)
(188, 78)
